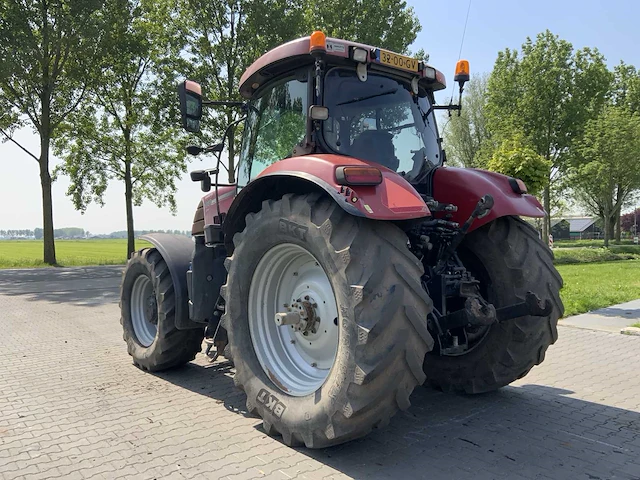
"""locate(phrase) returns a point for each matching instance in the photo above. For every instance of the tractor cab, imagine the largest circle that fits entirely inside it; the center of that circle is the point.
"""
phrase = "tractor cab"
(318, 95)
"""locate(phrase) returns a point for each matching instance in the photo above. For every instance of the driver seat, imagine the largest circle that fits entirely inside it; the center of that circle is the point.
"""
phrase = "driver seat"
(376, 146)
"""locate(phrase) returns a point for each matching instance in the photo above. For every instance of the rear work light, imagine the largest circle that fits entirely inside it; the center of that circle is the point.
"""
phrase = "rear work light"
(358, 176)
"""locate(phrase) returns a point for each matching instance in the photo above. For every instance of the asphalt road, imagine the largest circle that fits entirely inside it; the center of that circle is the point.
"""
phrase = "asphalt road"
(72, 405)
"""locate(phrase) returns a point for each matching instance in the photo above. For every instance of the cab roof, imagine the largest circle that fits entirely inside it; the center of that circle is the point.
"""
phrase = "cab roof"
(295, 54)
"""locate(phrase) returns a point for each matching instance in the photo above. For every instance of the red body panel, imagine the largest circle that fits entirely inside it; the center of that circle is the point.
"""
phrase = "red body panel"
(226, 196)
(464, 187)
(300, 47)
(393, 199)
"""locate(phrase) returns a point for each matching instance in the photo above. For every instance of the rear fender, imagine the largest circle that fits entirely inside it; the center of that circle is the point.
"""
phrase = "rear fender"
(465, 186)
(394, 199)
(177, 252)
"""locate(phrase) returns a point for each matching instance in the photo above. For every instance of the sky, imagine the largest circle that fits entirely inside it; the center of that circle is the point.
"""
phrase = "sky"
(493, 25)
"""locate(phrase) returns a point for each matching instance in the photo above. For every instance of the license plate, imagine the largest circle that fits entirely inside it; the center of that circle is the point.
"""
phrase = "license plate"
(398, 61)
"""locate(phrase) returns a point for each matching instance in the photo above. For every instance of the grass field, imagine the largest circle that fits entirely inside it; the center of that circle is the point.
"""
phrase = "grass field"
(69, 253)
(587, 286)
(596, 285)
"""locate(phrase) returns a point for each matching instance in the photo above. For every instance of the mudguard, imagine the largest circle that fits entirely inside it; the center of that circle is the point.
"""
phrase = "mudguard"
(393, 199)
(177, 251)
(464, 187)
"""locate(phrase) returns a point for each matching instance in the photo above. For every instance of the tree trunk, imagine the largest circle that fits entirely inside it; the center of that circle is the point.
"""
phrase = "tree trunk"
(49, 254)
(128, 199)
(546, 224)
(612, 224)
(618, 226)
(607, 228)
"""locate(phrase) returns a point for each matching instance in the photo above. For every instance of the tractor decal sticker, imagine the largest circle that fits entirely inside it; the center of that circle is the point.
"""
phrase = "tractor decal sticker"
(292, 229)
(271, 403)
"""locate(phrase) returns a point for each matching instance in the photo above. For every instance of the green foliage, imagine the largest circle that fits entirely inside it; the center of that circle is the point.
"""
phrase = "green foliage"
(389, 24)
(625, 91)
(564, 256)
(466, 137)
(606, 167)
(127, 129)
(50, 53)
(587, 243)
(548, 92)
(617, 282)
(517, 159)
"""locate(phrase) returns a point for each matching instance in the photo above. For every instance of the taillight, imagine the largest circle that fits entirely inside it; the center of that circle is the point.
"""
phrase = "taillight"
(358, 176)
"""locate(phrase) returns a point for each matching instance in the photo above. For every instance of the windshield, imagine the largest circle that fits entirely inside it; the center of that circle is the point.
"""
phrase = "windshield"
(275, 123)
(380, 120)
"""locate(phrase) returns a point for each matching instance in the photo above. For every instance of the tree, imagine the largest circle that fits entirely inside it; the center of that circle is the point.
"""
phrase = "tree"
(127, 128)
(630, 222)
(609, 168)
(517, 159)
(548, 92)
(48, 49)
(466, 136)
(625, 91)
(224, 37)
(389, 24)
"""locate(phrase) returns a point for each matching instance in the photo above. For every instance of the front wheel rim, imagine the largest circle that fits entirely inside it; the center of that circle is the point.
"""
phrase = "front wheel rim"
(144, 311)
(297, 362)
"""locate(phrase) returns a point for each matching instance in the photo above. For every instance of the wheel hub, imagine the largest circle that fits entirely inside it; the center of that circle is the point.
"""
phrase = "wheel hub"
(144, 310)
(295, 337)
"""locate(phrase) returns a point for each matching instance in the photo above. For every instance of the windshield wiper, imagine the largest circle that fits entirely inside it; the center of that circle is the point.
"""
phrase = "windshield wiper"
(388, 92)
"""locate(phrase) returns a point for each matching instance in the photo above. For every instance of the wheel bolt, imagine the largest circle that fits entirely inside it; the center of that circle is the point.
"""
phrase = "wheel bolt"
(314, 364)
(306, 297)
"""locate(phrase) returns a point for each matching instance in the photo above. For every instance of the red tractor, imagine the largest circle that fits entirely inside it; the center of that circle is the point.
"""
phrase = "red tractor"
(347, 265)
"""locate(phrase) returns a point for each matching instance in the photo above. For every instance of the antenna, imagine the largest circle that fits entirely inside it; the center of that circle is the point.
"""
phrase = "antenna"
(464, 31)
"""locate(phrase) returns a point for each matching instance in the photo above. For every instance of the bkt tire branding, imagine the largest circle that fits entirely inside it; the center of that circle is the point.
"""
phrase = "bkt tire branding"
(271, 403)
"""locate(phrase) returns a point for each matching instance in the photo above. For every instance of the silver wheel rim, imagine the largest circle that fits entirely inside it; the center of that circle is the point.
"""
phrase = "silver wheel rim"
(297, 363)
(144, 311)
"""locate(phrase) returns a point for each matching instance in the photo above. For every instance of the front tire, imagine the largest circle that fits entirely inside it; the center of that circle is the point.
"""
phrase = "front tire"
(509, 259)
(380, 330)
(147, 307)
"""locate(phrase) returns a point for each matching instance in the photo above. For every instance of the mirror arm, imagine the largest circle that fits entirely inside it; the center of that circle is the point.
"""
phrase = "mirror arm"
(224, 139)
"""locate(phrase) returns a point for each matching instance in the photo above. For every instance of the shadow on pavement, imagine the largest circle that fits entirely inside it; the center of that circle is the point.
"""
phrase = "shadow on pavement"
(626, 313)
(86, 286)
(532, 430)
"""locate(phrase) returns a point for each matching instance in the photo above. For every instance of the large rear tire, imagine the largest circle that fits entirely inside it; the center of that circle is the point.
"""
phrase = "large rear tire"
(509, 259)
(359, 381)
(147, 307)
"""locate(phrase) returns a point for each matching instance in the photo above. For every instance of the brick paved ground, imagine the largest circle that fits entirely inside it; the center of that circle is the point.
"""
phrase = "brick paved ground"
(73, 406)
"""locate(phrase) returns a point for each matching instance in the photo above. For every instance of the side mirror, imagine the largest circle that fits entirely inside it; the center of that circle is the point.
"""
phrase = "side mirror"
(202, 176)
(190, 94)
